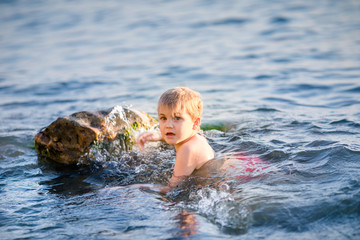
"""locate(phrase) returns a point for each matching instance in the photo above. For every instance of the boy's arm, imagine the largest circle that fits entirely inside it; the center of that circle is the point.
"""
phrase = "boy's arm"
(185, 164)
(148, 136)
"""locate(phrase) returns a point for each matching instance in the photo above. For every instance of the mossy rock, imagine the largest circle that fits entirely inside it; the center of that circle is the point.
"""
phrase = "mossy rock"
(68, 139)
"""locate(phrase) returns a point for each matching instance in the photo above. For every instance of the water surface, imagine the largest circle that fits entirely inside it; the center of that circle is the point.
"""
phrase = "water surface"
(279, 80)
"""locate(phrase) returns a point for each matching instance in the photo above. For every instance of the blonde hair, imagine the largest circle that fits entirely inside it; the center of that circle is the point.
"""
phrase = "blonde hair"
(180, 98)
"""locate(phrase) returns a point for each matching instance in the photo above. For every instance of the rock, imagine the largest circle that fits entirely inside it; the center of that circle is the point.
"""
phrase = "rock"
(69, 139)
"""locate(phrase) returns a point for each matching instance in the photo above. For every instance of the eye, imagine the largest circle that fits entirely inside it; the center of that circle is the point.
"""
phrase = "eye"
(177, 118)
(163, 118)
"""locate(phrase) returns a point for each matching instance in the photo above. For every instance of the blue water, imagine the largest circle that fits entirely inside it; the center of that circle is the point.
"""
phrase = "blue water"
(280, 80)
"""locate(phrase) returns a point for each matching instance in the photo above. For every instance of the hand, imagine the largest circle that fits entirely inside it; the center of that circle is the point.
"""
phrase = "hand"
(147, 136)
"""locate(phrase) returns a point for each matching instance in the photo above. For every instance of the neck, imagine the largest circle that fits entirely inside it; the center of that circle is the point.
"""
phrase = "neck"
(185, 141)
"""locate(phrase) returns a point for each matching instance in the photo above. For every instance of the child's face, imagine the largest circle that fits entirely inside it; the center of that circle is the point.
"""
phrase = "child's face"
(175, 127)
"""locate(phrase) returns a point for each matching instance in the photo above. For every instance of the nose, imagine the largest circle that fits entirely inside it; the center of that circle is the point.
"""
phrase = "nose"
(169, 124)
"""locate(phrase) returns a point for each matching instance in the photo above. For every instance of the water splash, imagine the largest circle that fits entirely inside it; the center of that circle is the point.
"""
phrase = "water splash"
(133, 167)
(116, 113)
(220, 207)
(108, 150)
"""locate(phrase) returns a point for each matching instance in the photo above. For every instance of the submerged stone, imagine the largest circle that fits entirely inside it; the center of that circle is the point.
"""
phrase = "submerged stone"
(69, 139)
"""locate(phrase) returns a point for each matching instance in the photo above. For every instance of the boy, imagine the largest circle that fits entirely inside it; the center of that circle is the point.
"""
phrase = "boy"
(179, 111)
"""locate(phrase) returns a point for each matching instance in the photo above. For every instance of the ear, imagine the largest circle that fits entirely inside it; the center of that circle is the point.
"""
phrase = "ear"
(196, 124)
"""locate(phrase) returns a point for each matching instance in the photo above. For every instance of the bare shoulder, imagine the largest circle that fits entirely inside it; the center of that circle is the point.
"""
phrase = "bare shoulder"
(194, 145)
(199, 150)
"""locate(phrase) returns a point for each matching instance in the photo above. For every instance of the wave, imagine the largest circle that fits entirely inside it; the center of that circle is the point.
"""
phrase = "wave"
(222, 22)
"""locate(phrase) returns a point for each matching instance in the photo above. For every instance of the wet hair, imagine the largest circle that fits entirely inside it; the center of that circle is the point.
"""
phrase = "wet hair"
(180, 98)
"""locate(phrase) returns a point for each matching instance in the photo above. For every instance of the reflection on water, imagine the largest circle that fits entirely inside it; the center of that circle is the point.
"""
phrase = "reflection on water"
(187, 223)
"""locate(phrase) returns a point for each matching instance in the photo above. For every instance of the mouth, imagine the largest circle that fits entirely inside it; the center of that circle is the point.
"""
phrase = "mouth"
(169, 134)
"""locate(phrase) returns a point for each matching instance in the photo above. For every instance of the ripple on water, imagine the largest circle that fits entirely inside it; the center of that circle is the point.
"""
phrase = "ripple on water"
(235, 21)
(345, 122)
(353, 90)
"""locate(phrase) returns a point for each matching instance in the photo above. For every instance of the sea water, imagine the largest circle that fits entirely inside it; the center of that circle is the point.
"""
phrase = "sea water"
(280, 81)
